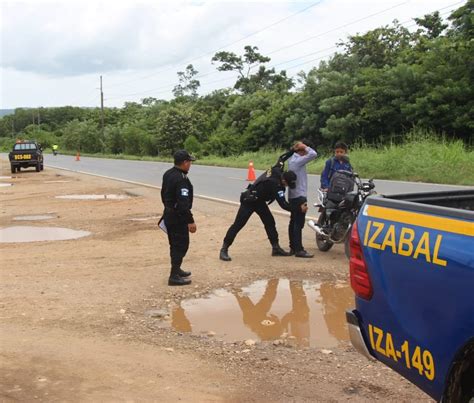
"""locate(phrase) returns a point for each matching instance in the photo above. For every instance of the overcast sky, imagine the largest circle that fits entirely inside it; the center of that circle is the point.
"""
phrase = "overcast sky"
(53, 52)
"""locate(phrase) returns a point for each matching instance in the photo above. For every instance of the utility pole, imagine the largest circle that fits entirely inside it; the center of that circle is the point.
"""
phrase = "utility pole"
(101, 108)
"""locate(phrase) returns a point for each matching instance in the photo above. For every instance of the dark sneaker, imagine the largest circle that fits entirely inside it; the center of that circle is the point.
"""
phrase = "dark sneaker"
(303, 253)
(277, 251)
(183, 273)
(224, 255)
(291, 252)
(176, 280)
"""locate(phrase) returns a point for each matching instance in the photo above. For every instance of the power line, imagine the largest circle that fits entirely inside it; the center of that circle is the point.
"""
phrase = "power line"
(286, 47)
(165, 92)
(222, 47)
(282, 48)
(439, 9)
(338, 28)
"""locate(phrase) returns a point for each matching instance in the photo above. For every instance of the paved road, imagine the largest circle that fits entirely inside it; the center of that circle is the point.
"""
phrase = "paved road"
(222, 183)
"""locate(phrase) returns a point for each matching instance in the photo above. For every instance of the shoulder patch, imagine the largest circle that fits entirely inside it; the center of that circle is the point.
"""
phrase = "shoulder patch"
(184, 192)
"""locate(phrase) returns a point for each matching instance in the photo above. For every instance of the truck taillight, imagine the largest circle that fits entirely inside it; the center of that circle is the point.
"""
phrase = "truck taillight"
(360, 279)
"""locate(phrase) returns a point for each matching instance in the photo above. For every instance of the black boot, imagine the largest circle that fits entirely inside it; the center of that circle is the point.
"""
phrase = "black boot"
(224, 253)
(304, 254)
(278, 251)
(182, 273)
(177, 280)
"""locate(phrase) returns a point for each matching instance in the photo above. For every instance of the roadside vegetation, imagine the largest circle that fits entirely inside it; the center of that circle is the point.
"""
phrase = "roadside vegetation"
(402, 99)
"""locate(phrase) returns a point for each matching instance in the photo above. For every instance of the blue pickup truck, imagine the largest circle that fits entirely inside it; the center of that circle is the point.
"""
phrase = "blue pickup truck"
(412, 270)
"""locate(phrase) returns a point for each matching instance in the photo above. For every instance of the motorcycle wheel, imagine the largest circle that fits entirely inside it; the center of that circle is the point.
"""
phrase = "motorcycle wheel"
(323, 243)
(347, 248)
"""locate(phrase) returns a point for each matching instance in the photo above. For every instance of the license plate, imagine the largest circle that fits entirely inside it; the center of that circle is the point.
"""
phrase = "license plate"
(23, 157)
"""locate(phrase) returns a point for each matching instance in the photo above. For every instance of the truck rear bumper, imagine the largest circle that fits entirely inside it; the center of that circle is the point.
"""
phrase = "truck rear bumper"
(355, 334)
(24, 164)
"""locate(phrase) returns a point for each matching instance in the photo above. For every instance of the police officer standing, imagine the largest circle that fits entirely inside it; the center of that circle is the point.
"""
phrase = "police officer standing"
(177, 198)
(266, 188)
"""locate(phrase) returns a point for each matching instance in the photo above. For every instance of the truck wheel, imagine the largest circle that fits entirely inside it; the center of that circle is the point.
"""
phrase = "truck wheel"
(42, 166)
(13, 169)
(323, 243)
(38, 166)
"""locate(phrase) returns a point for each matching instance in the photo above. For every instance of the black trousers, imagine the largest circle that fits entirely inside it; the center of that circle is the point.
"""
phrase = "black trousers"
(297, 220)
(245, 212)
(178, 237)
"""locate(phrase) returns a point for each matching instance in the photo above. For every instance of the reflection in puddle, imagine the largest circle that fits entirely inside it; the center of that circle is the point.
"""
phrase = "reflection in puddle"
(33, 217)
(35, 234)
(94, 197)
(312, 314)
(6, 184)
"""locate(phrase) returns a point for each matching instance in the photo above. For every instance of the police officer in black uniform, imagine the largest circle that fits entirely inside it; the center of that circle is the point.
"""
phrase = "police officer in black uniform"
(177, 198)
(267, 187)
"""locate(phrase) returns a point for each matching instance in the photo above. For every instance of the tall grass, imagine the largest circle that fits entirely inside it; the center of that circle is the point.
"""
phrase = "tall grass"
(421, 158)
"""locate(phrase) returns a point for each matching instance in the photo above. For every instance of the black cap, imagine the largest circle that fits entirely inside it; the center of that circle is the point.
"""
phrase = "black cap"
(182, 155)
(290, 178)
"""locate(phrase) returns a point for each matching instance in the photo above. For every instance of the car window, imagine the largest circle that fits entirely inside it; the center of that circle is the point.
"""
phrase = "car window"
(24, 146)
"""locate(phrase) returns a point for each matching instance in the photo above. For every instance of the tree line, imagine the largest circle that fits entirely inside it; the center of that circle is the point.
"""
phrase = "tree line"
(379, 87)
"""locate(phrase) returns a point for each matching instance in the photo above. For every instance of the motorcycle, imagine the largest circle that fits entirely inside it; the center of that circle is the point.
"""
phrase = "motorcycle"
(336, 218)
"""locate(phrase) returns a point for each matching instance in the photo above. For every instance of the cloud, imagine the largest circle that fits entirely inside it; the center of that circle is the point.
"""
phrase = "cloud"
(54, 51)
(70, 38)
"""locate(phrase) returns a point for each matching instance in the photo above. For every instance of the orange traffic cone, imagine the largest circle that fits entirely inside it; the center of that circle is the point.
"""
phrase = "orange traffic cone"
(78, 156)
(251, 172)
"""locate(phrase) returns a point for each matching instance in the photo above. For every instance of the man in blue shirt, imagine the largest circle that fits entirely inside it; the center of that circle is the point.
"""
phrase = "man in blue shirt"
(298, 197)
(337, 163)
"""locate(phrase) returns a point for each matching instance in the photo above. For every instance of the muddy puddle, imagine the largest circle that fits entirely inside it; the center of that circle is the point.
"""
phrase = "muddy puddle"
(34, 217)
(297, 312)
(144, 218)
(37, 234)
(94, 197)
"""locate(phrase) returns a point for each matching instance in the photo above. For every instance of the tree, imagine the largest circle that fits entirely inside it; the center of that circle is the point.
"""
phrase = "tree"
(463, 21)
(433, 24)
(188, 85)
(249, 83)
(175, 124)
(379, 47)
(83, 136)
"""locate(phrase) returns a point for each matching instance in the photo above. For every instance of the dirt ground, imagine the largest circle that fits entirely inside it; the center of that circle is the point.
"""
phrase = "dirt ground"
(73, 322)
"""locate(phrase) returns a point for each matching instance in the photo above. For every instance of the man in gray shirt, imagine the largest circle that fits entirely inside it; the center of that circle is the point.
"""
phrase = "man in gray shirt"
(298, 197)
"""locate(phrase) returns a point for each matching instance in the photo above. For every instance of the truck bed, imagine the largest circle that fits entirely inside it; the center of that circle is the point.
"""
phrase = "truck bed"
(457, 199)
(412, 268)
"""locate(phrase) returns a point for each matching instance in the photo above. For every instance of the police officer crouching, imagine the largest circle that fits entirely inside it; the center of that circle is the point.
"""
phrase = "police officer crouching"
(267, 187)
(177, 198)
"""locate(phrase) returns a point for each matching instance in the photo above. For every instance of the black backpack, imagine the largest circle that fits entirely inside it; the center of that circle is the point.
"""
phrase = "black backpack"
(340, 184)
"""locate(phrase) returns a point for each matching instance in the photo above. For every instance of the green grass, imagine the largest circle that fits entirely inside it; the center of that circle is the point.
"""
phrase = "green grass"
(422, 158)
(419, 160)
